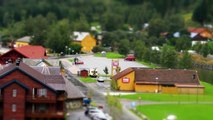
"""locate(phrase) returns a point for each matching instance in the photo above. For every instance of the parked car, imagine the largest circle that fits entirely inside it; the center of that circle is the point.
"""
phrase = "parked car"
(93, 112)
(89, 109)
(130, 58)
(79, 62)
(100, 79)
(99, 116)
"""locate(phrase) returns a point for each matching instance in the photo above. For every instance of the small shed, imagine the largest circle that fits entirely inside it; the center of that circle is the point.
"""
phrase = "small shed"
(84, 72)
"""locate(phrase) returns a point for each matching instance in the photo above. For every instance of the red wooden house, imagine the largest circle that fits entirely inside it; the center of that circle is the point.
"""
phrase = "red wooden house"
(33, 52)
(26, 94)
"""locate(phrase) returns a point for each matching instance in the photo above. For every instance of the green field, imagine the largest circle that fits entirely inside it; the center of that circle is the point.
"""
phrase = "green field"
(181, 111)
(71, 60)
(150, 65)
(88, 80)
(110, 55)
(208, 96)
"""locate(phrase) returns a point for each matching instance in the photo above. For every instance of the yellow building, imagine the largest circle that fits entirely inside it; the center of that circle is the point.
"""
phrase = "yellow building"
(22, 41)
(170, 81)
(87, 41)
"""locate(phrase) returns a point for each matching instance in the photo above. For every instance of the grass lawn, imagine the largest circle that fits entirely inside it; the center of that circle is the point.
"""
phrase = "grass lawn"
(110, 55)
(88, 80)
(181, 111)
(71, 60)
(208, 96)
(150, 65)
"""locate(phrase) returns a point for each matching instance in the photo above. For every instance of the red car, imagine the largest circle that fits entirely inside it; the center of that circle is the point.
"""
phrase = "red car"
(130, 58)
(79, 62)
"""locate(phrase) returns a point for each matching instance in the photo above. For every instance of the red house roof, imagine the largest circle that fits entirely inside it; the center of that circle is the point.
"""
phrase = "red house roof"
(197, 30)
(34, 52)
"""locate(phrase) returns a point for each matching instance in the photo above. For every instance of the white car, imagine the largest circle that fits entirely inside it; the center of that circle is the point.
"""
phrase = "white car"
(100, 79)
(99, 116)
(93, 112)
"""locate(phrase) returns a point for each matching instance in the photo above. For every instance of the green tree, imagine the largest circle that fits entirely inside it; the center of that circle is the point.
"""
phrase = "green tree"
(203, 11)
(139, 48)
(197, 47)
(175, 23)
(123, 47)
(8, 18)
(59, 36)
(106, 71)
(112, 21)
(183, 43)
(147, 55)
(210, 44)
(82, 24)
(185, 61)
(97, 49)
(168, 57)
(40, 27)
(157, 26)
(154, 57)
(205, 50)
(76, 48)
(51, 18)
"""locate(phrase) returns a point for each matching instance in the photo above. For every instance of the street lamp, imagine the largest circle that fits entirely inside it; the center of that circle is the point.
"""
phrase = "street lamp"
(66, 49)
(69, 51)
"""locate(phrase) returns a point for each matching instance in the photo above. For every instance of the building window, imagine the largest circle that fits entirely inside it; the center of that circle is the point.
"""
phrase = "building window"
(13, 107)
(42, 107)
(35, 92)
(42, 92)
(14, 92)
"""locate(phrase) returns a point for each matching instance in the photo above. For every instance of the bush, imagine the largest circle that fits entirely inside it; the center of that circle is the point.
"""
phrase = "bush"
(114, 85)
(97, 49)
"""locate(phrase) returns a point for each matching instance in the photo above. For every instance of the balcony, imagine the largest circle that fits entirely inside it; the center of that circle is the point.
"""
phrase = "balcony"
(41, 99)
(61, 98)
(44, 114)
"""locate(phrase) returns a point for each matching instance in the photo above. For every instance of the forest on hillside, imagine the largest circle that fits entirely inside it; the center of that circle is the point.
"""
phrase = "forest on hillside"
(123, 23)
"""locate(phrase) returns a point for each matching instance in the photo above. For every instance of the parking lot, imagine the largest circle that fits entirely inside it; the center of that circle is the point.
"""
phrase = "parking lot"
(101, 62)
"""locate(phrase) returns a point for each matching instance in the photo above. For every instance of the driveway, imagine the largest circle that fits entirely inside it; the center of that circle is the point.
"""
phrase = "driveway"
(77, 115)
(101, 62)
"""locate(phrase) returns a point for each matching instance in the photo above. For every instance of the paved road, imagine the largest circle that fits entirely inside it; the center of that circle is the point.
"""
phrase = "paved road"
(77, 115)
(99, 98)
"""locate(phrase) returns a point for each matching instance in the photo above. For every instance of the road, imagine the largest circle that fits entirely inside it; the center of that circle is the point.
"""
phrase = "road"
(77, 115)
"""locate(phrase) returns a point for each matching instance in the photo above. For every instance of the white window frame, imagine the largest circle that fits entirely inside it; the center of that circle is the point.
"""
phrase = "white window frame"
(42, 92)
(14, 94)
(13, 107)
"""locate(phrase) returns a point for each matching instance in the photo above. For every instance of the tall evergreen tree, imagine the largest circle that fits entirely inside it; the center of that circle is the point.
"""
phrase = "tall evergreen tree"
(168, 57)
(185, 61)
